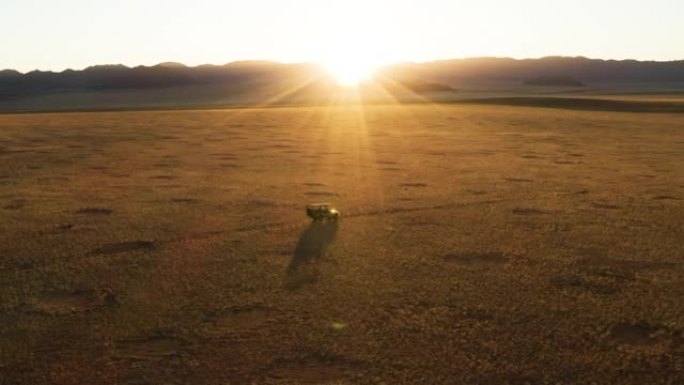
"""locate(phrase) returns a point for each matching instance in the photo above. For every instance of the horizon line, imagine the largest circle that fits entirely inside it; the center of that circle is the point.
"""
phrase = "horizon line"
(316, 63)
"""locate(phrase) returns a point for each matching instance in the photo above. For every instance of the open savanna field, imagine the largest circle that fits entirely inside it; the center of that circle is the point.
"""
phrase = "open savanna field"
(478, 244)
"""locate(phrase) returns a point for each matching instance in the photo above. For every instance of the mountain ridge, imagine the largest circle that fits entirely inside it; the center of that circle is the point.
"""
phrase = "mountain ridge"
(440, 62)
(257, 81)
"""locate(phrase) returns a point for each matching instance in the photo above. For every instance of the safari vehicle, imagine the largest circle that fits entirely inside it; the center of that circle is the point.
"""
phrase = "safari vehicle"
(322, 211)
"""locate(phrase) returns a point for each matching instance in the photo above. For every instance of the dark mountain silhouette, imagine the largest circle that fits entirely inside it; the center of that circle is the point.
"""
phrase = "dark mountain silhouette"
(113, 77)
(554, 81)
(8, 73)
(173, 84)
(172, 64)
(579, 68)
(169, 74)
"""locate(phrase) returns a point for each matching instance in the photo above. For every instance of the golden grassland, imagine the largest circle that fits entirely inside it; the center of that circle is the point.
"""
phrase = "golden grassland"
(478, 245)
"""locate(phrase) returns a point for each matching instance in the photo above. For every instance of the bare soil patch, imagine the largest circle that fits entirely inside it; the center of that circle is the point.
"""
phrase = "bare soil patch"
(123, 247)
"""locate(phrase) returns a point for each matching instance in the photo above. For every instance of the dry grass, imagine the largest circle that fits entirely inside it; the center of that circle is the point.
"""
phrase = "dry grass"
(478, 245)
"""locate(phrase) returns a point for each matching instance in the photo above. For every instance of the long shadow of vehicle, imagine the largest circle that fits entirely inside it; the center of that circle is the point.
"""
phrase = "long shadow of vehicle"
(312, 245)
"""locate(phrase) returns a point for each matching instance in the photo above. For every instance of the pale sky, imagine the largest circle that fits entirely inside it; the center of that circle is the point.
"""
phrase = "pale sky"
(59, 34)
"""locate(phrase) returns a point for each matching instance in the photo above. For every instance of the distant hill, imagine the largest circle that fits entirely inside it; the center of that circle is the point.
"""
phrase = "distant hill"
(173, 84)
(444, 73)
(554, 81)
(120, 77)
(8, 73)
(579, 68)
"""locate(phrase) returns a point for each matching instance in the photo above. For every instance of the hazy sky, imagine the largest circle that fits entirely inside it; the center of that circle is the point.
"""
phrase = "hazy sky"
(59, 34)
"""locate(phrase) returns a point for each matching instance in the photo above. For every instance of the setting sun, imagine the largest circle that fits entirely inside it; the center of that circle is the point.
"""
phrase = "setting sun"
(350, 71)
(353, 56)
(356, 42)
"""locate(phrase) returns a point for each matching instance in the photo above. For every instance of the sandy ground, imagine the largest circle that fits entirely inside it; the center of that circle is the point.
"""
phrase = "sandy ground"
(478, 245)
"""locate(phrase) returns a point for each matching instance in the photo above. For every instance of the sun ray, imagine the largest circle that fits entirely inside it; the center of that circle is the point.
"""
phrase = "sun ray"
(350, 71)
(291, 91)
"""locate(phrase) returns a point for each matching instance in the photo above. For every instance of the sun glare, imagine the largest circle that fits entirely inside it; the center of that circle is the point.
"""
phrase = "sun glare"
(356, 41)
(350, 71)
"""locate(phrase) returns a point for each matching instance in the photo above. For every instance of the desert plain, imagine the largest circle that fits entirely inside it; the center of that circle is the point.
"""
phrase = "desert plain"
(478, 244)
